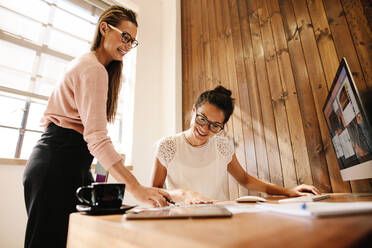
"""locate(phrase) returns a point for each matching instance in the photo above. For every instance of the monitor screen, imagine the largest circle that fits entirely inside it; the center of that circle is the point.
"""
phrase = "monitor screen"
(348, 122)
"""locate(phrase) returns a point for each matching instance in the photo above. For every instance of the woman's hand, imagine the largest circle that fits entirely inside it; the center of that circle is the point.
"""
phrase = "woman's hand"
(188, 197)
(302, 190)
(153, 196)
(193, 197)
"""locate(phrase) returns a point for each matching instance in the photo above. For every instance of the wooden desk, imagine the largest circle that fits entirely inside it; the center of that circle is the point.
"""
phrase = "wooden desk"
(258, 229)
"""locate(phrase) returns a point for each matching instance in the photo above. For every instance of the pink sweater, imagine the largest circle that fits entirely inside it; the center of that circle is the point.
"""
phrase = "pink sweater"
(79, 103)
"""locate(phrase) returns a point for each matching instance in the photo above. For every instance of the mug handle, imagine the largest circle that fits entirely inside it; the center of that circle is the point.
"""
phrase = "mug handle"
(80, 192)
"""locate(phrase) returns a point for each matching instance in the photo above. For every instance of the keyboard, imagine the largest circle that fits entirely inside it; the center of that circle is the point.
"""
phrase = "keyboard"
(307, 198)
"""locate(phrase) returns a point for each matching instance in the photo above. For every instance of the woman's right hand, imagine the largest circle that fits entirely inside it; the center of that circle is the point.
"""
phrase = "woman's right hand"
(188, 197)
(153, 196)
(193, 197)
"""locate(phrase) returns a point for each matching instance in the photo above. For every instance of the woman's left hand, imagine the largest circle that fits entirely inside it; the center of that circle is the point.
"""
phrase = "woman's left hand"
(302, 190)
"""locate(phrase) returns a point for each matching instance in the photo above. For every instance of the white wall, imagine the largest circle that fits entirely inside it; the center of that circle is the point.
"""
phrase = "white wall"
(157, 108)
(158, 102)
(12, 207)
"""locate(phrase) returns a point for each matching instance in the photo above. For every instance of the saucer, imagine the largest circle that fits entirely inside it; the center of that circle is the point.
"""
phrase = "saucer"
(102, 211)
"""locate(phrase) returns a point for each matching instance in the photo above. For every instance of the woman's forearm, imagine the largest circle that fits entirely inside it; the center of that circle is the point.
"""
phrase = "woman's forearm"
(122, 174)
(269, 188)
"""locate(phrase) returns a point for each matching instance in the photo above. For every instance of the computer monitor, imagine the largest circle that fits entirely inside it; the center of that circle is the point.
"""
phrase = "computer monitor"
(348, 113)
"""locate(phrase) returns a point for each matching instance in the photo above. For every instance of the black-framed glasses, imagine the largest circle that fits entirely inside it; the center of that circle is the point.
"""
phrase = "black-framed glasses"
(125, 37)
(214, 127)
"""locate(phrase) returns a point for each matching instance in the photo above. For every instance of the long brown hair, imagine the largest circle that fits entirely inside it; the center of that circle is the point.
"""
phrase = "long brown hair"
(114, 16)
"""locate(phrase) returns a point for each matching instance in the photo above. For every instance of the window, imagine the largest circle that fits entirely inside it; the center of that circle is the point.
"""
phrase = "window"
(35, 34)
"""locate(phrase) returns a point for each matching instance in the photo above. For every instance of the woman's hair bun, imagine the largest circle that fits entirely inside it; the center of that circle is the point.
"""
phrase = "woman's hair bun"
(222, 90)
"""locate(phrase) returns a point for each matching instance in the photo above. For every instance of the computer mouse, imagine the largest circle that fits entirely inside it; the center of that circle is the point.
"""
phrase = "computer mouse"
(250, 198)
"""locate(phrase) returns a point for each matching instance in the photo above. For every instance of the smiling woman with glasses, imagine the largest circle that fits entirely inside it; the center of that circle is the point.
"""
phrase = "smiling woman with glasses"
(75, 124)
(200, 158)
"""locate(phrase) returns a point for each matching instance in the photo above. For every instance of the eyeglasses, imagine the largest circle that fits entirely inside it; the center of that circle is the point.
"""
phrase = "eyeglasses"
(214, 127)
(125, 37)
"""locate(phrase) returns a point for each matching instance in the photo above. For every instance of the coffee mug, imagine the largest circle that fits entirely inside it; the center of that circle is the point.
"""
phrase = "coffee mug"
(102, 195)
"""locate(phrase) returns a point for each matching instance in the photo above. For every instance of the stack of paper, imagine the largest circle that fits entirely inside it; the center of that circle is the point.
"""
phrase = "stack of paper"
(319, 209)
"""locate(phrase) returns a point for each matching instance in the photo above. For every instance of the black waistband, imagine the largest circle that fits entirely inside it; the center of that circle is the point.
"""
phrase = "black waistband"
(66, 133)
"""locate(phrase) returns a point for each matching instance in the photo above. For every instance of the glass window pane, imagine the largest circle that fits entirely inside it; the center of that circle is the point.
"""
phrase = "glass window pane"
(66, 43)
(29, 141)
(34, 115)
(12, 114)
(8, 148)
(20, 25)
(114, 131)
(35, 9)
(16, 57)
(78, 7)
(74, 25)
(13, 79)
(52, 67)
(44, 87)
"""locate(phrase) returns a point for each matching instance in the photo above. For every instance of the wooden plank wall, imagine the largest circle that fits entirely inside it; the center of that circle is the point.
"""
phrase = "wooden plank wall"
(279, 58)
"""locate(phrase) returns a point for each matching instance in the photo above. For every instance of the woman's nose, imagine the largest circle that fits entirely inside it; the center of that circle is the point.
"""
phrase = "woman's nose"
(205, 128)
(128, 46)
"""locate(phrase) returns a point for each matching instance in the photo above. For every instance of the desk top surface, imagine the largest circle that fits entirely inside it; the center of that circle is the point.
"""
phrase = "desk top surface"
(242, 230)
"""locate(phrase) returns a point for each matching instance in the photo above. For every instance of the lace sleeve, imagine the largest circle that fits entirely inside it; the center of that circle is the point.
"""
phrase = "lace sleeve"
(166, 150)
(225, 148)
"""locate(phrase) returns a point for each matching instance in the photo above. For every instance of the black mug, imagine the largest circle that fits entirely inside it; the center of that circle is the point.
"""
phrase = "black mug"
(102, 195)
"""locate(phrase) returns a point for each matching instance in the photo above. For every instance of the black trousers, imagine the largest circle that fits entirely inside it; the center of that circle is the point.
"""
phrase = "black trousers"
(59, 164)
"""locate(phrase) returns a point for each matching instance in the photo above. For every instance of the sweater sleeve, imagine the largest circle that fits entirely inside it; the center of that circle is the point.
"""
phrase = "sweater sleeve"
(90, 91)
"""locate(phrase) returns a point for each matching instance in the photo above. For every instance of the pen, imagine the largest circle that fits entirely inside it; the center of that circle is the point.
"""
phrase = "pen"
(303, 206)
(170, 201)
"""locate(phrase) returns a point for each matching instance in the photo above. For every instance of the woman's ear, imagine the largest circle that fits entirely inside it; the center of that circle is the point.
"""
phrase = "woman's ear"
(103, 27)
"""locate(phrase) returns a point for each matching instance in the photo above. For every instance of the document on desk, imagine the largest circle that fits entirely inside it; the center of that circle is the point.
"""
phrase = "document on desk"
(319, 209)
(242, 208)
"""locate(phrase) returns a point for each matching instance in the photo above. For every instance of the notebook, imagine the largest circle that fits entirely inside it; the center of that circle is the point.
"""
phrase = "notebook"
(173, 212)
(319, 209)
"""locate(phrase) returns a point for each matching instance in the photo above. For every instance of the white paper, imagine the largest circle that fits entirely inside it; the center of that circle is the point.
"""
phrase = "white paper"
(319, 209)
(242, 208)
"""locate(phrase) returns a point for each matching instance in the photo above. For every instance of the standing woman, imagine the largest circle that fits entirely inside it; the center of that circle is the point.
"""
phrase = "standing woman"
(75, 121)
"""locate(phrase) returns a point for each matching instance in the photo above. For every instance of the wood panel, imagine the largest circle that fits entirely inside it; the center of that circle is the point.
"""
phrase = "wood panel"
(251, 89)
(212, 31)
(305, 97)
(230, 81)
(279, 58)
(186, 65)
(244, 113)
(207, 48)
(280, 116)
(265, 120)
(343, 40)
(328, 56)
(197, 65)
(289, 95)
(361, 34)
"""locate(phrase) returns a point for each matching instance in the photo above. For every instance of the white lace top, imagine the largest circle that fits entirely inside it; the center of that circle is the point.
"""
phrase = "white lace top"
(202, 168)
